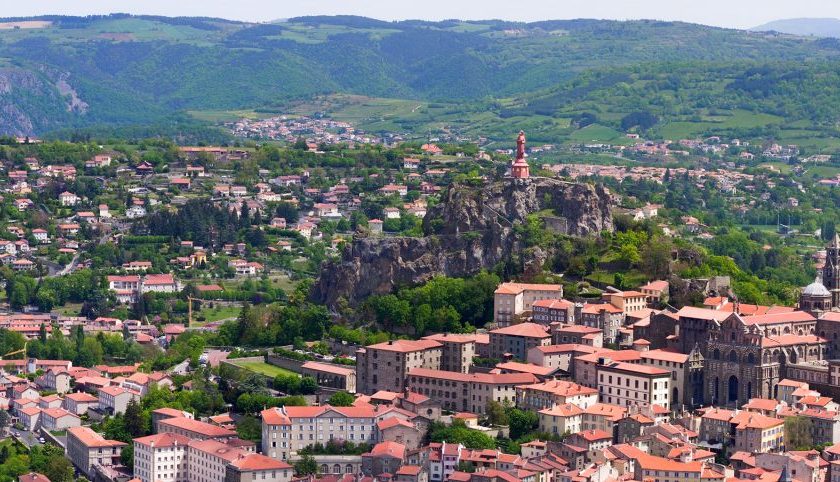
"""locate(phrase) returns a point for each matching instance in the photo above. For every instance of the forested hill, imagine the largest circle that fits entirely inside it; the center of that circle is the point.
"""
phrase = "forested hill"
(67, 71)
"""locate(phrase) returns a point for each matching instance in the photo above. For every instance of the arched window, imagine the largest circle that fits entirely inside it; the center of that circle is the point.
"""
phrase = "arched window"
(733, 357)
(716, 354)
(336, 469)
(751, 359)
(325, 469)
(348, 469)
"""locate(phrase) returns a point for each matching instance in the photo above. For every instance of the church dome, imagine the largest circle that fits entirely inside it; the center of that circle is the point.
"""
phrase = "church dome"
(816, 289)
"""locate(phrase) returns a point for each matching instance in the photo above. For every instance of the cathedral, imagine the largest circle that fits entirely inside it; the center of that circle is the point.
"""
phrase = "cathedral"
(824, 295)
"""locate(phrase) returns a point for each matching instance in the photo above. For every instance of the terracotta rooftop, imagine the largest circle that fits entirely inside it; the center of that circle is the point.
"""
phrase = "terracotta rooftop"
(529, 330)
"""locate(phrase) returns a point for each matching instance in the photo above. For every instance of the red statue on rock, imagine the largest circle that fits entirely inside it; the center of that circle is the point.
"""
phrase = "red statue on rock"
(519, 169)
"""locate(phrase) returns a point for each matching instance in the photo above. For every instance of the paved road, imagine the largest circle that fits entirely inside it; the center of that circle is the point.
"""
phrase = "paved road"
(27, 438)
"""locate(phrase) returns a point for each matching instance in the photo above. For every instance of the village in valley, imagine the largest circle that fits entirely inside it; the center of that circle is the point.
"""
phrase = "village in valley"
(629, 274)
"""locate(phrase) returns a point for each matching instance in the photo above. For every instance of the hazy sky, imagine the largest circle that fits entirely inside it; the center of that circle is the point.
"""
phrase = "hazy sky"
(726, 13)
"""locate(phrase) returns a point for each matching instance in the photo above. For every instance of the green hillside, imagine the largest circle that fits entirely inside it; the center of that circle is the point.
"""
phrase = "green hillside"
(129, 70)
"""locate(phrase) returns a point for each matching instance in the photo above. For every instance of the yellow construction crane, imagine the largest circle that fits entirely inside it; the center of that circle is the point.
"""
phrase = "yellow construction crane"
(23, 350)
(189, 310)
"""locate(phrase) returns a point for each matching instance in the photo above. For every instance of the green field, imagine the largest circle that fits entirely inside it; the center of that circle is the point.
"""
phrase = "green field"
(263, 368)
(218, 313)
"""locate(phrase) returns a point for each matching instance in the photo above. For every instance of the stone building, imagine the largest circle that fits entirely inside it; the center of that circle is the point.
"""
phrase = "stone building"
(746, 357)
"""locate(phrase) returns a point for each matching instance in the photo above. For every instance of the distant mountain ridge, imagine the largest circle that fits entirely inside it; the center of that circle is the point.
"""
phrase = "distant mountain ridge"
(809, 27)
(140, 70)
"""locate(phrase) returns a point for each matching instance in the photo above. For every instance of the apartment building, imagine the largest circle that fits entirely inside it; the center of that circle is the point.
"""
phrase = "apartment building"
(550, 311)
(627, 301)
(659, 469)
(458, 351)
(605, 317)
(602, 416)
(629, 385)
(585, 367)
(285, 430)
(56, 379)
(577, 334)
(514, 341)
(176, 458)
(384, 366)
(114, 400)
(194, 429)
(464, 392)
(161, 457)
(755, 432)
(78, 403)
(512, 300)
(558, 356)
(538, 396)
(58, 419)
(655, 291)
(682, 387)
(561, 419)
(86, 449)
(715, 424)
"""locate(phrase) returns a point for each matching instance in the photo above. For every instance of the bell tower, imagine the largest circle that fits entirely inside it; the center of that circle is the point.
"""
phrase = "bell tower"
(831, 271)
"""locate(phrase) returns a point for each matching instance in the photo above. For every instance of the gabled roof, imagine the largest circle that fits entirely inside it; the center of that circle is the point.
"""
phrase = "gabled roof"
(529, 330)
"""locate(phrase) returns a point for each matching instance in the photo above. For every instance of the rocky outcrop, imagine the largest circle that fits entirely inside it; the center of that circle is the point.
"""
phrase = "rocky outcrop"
(470, 230)
(33, 101)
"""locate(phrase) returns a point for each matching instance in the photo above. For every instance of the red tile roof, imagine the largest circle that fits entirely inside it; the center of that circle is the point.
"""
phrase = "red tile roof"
(256, 462)
(529, 330)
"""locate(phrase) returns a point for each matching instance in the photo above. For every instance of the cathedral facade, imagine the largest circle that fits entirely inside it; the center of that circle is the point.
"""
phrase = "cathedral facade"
(746, 356)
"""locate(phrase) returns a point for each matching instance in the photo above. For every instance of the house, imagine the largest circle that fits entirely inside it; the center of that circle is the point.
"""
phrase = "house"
(655, 291)
(53, 419)
(69, 229)
(511, 300)
(135, 212)
(23, 265)
(41, 235)
(78, 403)
(159, 283)
(390, 189)
(114, 400)
(29, 417)
(23, 204)
(182, 183)
(68, 199)
(99, 160)
(411, 163)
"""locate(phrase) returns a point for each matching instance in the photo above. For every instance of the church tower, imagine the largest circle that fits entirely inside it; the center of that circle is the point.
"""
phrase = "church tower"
(831, 271)
(520, 169)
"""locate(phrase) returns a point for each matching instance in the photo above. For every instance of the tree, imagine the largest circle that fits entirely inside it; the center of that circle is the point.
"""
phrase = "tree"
(249, 428)
(341, 399)
(306, 466)
(308, 385)
(4, 420)
(134, 423)
(496, 413)
(127, 456)
(522, 422)
(656, 257)
(798, 433)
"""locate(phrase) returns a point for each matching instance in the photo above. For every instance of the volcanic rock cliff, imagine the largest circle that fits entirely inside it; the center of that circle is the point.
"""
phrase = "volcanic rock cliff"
(469, 230)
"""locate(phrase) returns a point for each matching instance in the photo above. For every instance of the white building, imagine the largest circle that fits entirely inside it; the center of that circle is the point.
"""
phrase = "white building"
(512, 299)
(627, 384)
